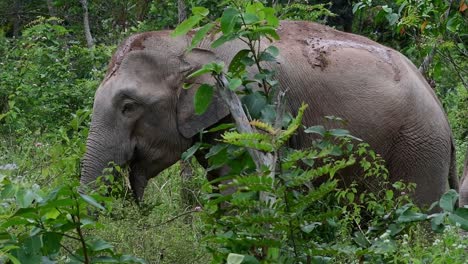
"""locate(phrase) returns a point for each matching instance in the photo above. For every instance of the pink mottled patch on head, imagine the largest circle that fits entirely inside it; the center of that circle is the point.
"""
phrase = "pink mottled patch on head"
(134, 42)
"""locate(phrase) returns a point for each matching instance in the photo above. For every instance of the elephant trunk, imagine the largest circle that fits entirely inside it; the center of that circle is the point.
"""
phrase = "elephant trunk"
(98, 154)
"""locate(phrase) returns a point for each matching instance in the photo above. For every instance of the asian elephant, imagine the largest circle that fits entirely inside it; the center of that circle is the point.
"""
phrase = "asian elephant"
(464, 184)
(142, 117)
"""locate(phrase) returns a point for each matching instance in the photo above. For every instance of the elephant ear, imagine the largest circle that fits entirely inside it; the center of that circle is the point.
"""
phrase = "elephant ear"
(189, 123)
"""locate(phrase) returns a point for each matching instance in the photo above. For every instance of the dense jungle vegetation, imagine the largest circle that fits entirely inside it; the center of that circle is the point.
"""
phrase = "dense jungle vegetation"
(53, 56)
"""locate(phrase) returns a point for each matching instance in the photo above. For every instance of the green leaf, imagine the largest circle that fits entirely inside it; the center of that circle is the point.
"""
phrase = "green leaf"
(30, 251)
(229, 19)
(51, 242)
(274, 51)
(250, 260)
(254, 103)
(460, 218)
(223, 39)
(410, 216)
(51, 213)
(270, 17)
(310, 227)
(15, 221)
(201, 33)
(10, 257)
(448, 200)
(186, 26)
(189, 152)
(90, 200)
(251, 19)
(221, 127)
(104, 259)
(319, 129)
(207, 68)
(25, 197)
(202, 98)
(234, 258)
(360, 239)
(268, 31)
(234, 83)
(237, 64)
(98, 245)
(131, 259)
(437, 222)
(201, 11)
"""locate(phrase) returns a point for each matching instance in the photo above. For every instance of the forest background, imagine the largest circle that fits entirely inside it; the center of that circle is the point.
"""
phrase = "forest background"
(54, 53)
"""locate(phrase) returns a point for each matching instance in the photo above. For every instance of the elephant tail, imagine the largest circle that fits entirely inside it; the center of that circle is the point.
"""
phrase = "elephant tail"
(453, 177)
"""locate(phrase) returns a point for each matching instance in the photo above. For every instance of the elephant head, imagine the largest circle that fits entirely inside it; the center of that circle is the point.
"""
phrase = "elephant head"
(142, 117)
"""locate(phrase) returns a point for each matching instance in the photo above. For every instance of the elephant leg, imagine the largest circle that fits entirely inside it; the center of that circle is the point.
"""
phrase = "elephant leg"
(424, 161)
(464, 191)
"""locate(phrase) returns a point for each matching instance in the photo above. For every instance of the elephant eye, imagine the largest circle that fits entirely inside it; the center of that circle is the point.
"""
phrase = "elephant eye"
(129, 108)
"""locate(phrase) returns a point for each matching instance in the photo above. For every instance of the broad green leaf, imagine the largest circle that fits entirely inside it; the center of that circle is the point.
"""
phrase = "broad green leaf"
(229, 19)
(189, 152)
(215, 150)
(98, 245)
(51, 242)
(251, 19)
(202, 98)
(360, 239)
(448, 200)
(268, 114)
(237, 64)
(234, 258)
(201, 11)
(437, 222)
(460, 219)
(51, 213)
(319, 129)
(201, 33)
(274, 51)
(234, 83)
(15, 221)
(223, 39)
(270, 17)
(255, 8)
(307, 228)
(25, 197)
(29, 251)
(250, 260)
(186, 26)
(268, 31)
(90, 200)
(254, 104)
(410, 216)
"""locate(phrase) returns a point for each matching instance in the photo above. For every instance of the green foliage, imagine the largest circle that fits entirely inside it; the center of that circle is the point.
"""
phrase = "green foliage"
(37, 224)
(296, 213)
(44, 78)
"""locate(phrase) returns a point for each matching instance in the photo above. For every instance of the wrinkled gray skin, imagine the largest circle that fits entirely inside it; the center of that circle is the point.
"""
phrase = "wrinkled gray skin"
(143, 117)
(464, 185)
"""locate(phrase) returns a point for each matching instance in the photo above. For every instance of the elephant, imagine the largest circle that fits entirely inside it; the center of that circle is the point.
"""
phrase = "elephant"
(143, 117)
(463, 201)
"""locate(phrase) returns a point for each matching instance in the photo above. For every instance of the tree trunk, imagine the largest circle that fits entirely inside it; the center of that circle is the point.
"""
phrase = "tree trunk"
(50, 7)
(186, 172)
(182, 10)
(89, 37)
(16, 19)
(143, 8)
